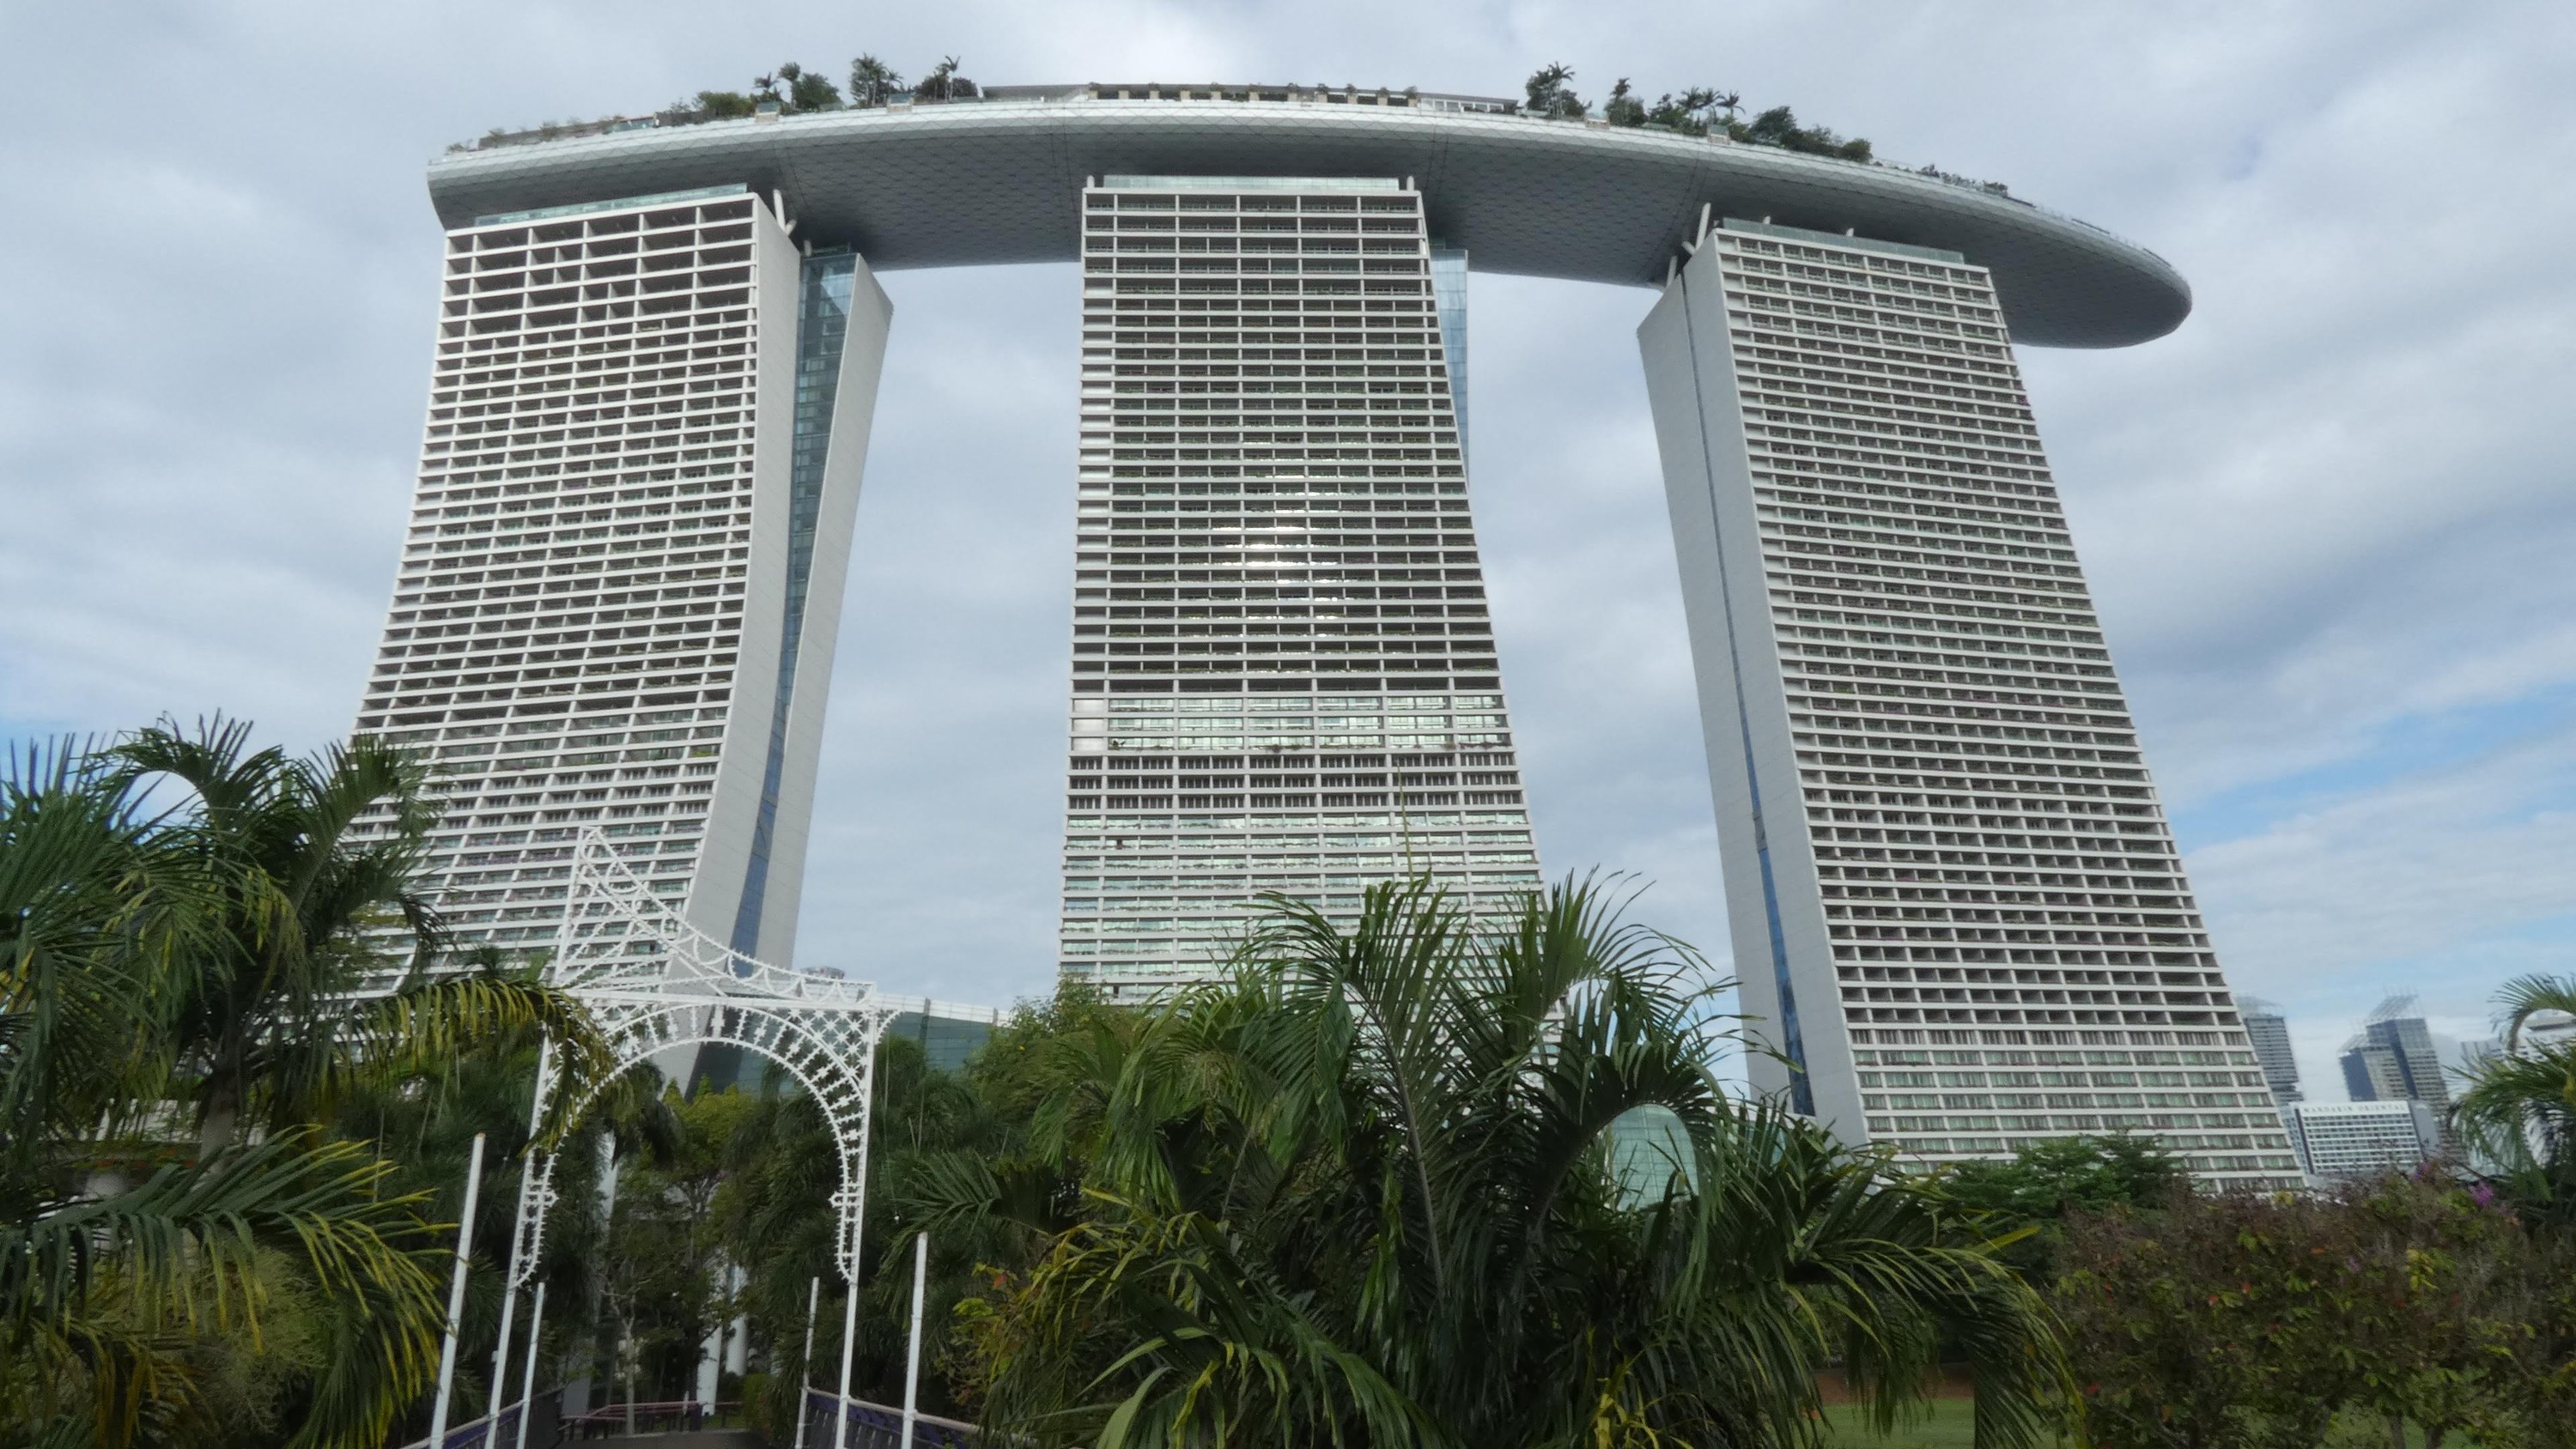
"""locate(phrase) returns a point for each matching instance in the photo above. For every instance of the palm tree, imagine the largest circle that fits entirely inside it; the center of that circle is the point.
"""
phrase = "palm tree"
(1550, 97)
(873, 82)
(2518, 1112)
(945, 84)
(807, 90)
(110, 1287)
(316, 863)
(98, 907)
(1365, 1193)
(2526, 997)
(1623, 108)
(206, 957)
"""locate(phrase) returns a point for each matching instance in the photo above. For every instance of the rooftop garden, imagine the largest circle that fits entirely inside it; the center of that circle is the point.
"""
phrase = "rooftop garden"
(789, 90)
(792, 89)
(1707, 111)
(1699, 111)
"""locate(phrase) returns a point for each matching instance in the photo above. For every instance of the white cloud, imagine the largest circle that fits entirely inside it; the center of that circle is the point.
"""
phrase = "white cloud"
(2389, 886)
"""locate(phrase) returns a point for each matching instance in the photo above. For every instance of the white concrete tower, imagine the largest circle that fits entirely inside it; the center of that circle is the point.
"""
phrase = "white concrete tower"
(1284, 674)
(619, 594)
(1956, 906)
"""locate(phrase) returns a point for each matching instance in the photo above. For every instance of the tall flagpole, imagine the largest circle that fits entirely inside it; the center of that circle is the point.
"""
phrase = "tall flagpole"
(805, 1373)
(456, 1297)
(849, 1337)
(528, 1383)
(912, 1359)
(858, 1210)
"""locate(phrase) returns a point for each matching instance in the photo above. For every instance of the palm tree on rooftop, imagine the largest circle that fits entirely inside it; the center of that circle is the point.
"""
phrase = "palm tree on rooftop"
(945, 84)
(873, 82)
(1550, 97)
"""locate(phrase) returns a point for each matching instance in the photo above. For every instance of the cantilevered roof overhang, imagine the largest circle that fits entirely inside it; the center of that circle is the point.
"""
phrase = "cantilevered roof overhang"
(967, 183)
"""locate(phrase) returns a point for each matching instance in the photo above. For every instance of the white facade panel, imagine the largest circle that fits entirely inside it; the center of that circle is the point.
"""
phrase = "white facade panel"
(1744, 718)
(869, 317)
(715, 890)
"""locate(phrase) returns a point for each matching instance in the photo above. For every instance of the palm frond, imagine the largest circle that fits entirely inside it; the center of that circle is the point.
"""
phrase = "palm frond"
(1365, 1191)
(180, 1250)
(97, 911)
(2525, 997)
(2518, 1112)
(1229, 1357)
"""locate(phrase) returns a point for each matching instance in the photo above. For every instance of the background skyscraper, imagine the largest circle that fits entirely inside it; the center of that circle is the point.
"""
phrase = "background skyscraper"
(2348, 1140)
(2270, 1033)
(2394, 1059)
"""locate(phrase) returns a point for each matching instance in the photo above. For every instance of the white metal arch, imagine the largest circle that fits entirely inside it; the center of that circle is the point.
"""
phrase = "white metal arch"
(654, 982)
(639, 1031)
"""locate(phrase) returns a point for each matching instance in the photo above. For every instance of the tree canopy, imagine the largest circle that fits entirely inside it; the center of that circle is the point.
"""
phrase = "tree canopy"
(1699, 111)
(1364, 1193)
(203, 960)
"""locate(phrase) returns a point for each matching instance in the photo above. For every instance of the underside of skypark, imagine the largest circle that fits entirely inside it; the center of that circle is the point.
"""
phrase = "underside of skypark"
(1953, 896)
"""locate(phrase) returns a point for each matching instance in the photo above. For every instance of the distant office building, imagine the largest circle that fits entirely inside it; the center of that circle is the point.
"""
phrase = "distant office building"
(2371, 1072)
(2475, 1055)
(2271, 1036)
(948, 1032)
(2394, 1059)
(2345, 1140)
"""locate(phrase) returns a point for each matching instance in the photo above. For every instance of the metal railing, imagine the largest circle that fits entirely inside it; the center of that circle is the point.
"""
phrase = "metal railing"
(664, 1417)
(875, 1426)
(543, 1430)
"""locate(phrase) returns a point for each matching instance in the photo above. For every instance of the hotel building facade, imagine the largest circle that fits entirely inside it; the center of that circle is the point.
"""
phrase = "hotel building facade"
(620, 590)
(1955, 901)
(1956, 906)
(1284, 675)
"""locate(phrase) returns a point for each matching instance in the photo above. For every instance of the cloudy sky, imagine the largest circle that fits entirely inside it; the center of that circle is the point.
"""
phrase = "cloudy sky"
(2330, 521)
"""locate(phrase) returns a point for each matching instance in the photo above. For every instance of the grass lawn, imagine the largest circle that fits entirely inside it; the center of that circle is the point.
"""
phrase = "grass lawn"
(1951, 1425)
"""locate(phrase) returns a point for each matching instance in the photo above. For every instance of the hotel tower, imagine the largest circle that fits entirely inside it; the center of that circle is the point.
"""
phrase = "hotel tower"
(1956, 906)
(1283, 668)
(620, 591)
